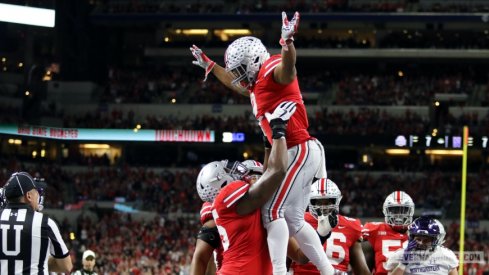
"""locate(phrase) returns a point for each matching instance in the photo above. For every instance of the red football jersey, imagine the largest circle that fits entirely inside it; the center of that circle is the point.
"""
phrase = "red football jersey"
(205, 215)
(337, 247)
(384, 241)
(265, 96)
(243, 238)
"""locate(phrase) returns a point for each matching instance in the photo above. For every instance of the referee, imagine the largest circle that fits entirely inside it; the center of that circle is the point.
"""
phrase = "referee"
(30, 242)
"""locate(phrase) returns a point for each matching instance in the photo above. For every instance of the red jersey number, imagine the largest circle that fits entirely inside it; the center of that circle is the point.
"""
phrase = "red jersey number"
(336, 253)
(389, 247)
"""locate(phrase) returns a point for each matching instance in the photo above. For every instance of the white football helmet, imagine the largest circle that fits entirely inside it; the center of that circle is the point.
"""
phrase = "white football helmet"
(244, 58)
(253, 166)
(217, 174)
(398, 210)
(324, 189)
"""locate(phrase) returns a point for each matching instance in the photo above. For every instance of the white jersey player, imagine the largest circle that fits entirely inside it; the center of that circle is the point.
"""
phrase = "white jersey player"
(424, 253)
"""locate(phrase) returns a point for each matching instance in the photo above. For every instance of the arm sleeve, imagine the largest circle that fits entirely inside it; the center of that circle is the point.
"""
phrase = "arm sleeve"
(209, 235)
(58, 248)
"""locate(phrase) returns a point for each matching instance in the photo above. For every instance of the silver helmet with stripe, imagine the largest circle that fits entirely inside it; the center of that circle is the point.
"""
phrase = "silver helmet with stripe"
(325, 197)
(398, 210)
(244, 58)
(217, 174)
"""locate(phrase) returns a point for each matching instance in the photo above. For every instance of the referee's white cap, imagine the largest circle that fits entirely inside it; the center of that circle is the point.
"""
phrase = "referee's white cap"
(88, 253)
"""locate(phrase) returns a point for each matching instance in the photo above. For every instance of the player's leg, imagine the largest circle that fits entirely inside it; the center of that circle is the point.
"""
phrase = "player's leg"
(273, 211)
(303, 232)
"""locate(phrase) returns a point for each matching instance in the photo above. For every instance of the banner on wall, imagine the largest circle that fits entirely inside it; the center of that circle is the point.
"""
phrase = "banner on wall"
(109, 134)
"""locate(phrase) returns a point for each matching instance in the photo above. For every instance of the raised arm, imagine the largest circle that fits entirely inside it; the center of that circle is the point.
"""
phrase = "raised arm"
(261, 191)
(286, 72)
(202, 60)
(268, 149)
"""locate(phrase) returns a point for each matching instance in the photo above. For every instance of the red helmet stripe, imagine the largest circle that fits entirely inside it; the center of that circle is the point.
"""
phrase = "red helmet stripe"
(323, 186)
(398, 196)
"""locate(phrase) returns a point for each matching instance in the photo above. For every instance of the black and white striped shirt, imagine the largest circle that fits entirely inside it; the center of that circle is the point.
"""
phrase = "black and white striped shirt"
(26, 237)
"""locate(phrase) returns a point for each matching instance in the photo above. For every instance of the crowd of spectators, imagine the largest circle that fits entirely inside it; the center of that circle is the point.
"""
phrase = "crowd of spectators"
(360, 122)
(165, 85)
(376, 89)
(403, 86)
(124, 245)
(260, 6)
(321, 38)
(170, 191)
(423, 39)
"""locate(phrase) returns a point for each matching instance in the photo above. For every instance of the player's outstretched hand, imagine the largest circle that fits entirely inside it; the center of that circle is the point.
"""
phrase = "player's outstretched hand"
(289, 28)
(202, 60)
(283, 111)
(278, 119)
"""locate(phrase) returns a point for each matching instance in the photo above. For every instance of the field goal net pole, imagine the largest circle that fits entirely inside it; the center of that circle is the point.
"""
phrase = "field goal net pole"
(462, 202)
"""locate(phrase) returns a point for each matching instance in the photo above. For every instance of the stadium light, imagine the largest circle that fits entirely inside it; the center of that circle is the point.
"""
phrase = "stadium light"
(195, 31)
(441, 152)
(94, 146)
(397, 151)
(27, 15)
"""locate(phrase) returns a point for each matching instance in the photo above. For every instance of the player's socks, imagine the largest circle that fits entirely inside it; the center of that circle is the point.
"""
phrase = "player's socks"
(311, 246)
(278, 239)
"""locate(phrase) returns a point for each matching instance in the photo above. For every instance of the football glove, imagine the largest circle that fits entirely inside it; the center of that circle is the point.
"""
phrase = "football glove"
(289, 28)
(327, 223)
(278, 119)
(202, 60)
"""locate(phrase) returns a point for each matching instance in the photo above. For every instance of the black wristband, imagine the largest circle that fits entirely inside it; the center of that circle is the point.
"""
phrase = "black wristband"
(266, 143)
(279, 128)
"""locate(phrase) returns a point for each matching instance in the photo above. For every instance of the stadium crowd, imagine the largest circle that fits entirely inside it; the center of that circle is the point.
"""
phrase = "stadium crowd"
(155, 246)
(322, 38)
(408, 86)
(170, 191)
(361, 122)
(243, 7)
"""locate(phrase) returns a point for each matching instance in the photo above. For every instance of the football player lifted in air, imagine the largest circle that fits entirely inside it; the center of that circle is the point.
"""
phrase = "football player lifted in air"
(269, 80)
(386, 237)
